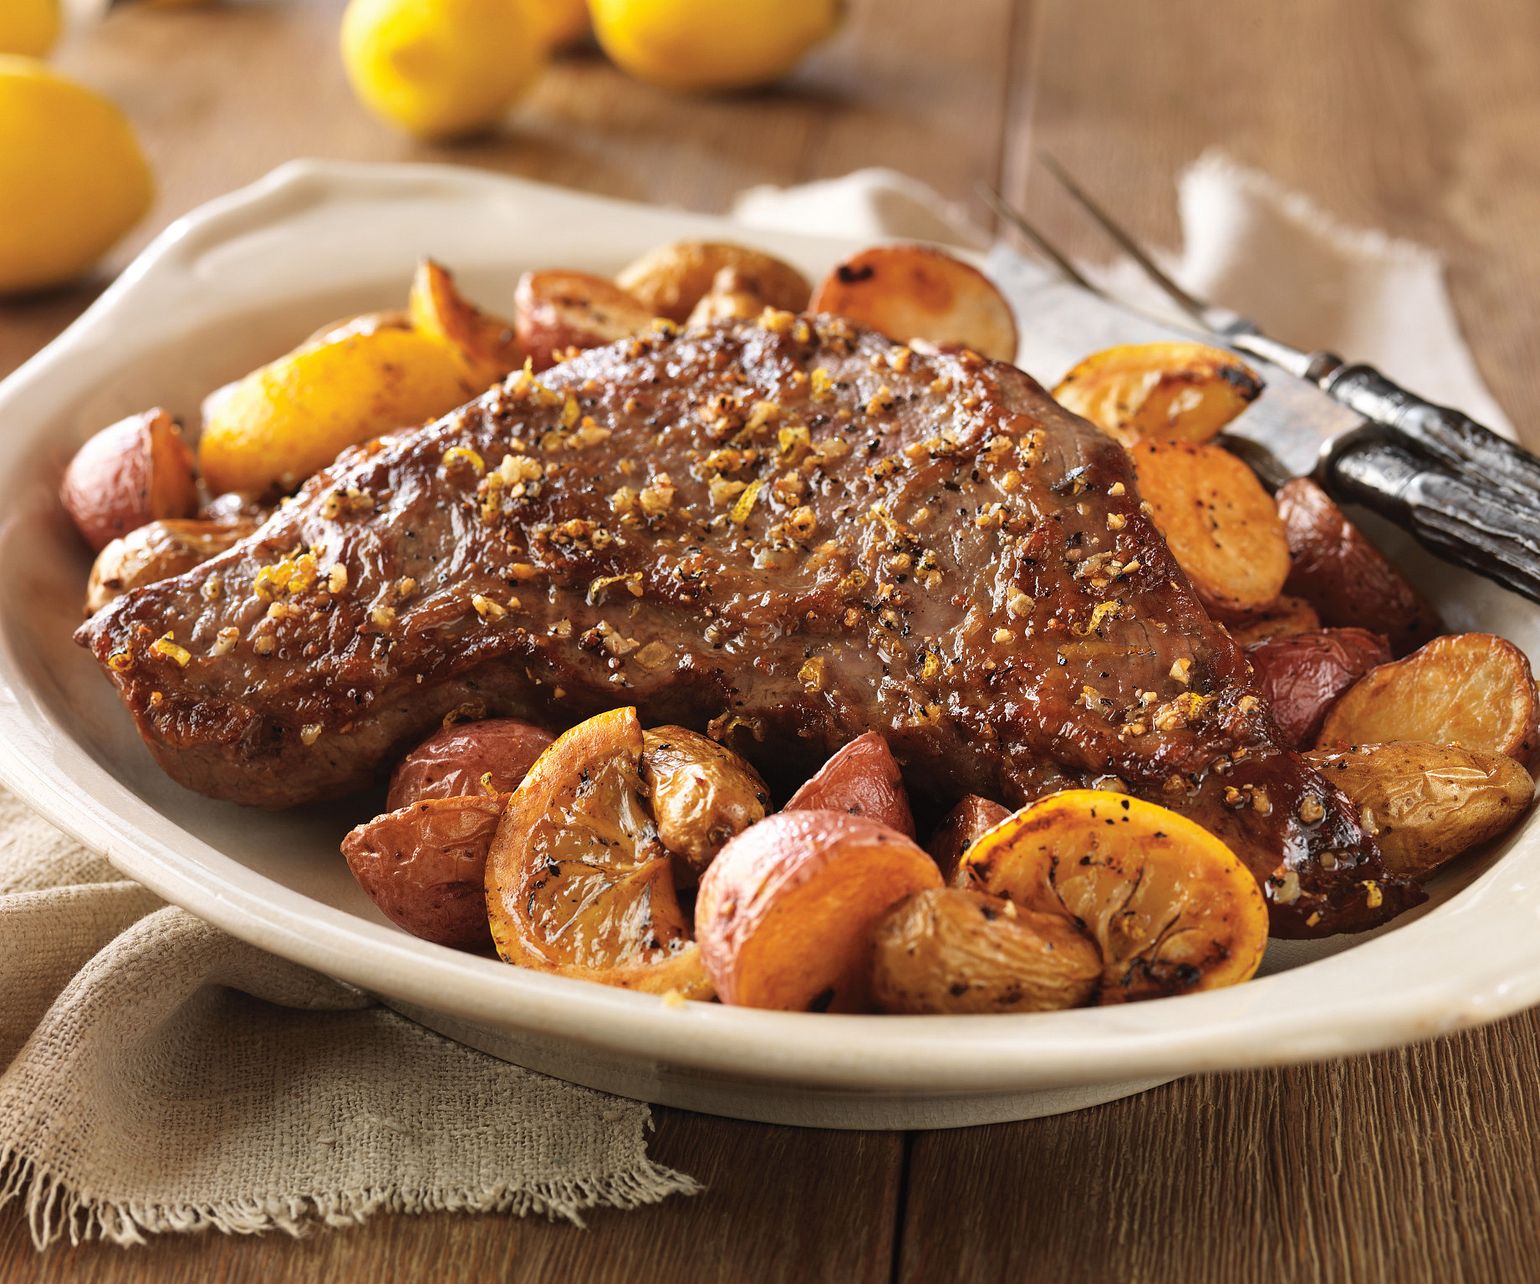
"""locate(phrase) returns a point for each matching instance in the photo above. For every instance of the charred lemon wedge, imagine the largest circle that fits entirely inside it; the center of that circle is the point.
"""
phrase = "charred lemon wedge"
(578, 882)
(1171, 908)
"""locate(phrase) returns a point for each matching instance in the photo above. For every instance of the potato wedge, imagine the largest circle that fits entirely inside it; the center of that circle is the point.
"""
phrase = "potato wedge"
(289, 419)
(701, 793)
(424, 865)
(670, 280)
(1171, 908)
(1340, 573)
(972, 818)
(862, 779)
(1283, 618)
(731, 298)
(577, 882)
(484, 345)
(786, 911)
(556, 313)
(1160, 391)
(157, 551)
(919, 292)
(135, 471)
(951, 951)
(1427, 803)
(1302, 676)
(468, 759)
(1475, 690)
(1220, 524)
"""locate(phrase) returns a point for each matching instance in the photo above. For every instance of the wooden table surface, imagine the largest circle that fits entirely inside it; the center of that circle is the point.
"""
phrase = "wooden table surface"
(1418, 116)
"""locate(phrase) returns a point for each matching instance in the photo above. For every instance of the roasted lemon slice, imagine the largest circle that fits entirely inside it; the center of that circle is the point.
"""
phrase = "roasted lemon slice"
(577, 881)
(1170, 906)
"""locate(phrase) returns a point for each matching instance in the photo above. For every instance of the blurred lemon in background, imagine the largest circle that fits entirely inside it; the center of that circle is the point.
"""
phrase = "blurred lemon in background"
(72, 177)
(707, 44)
(440, 68)
(28, 26)
(558, 22)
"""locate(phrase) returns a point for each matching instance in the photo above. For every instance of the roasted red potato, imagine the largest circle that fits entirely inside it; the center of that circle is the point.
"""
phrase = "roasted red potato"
(951, 951)
(919, 292)
(1340, 573)
(671, 280)
(1283, 618)
(1475, 690)
(135, 471)
(701, 794)
(1220, 524)
(970, 820)
(1302, 676)
(1425, 803)
(424, 865)
(862, 779)
(558, 312)
(157, 551)
(785, 913)
(468, 758)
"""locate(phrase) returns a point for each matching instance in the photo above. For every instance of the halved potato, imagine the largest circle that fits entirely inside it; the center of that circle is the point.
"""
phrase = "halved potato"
(1282, 618)
(785, 913)
(1427, 803)
(556, 313)
(861, 779)
(946, 950)
(577, 882)
(967, 822)
(1475, 690)
(468, 758)
(157, 551)
(135, 471)
(1220, 524)
(919, 292)
(701, 793)
(1181, 391)
(1171, 908)
(483, 344)
(731, 298)
(670, 280)
(289, 419)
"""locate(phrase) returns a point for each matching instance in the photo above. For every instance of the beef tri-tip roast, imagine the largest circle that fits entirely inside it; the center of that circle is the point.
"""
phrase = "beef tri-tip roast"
(784, 532)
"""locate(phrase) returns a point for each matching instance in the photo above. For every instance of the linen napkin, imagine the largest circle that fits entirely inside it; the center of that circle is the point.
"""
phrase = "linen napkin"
(160, 1075)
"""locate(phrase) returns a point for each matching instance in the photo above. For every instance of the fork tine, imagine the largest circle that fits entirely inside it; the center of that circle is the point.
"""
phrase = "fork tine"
(1195, 308)
(1039, 242)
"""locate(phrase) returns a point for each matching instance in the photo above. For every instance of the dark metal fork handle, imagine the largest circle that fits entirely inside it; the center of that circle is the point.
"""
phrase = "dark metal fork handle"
(1454, 439)
(1462, 520)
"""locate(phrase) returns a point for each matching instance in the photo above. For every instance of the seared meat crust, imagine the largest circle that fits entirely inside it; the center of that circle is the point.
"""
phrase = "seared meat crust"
(785, 533)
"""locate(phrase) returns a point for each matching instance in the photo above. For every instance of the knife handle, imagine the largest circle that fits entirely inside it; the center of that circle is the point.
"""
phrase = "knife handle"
(1463, 520)
(1456, 440)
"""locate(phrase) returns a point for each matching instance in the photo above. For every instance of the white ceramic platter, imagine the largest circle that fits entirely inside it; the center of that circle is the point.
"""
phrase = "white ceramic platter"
(246, 277)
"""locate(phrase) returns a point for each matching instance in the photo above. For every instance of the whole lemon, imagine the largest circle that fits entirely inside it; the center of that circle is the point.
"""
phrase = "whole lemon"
(28, 26)
(558, 22)
(72, 177)
(706, 44)
(440, 68)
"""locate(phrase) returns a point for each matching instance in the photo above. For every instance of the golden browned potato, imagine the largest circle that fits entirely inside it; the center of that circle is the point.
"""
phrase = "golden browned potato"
(577, 882)
(1349, 581)
(919, 292)
(1475, 690)
(1427, 803)
(135, 471)
(556, 313)
(467, 758)
(424, 865)
(862, 779)
(1281, 618)
(157, 551)
(1170, 907)
(1220, 524)
(670, 280)
(952, 951)
(483, 344)
(1182, 391)
(785, 913)
(967, 822)
(701, 793)
(732, 297)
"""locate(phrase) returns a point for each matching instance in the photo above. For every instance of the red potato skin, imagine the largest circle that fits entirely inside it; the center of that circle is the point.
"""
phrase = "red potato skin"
(1304, 674)
(557, 311)
(1340, 573)
(450, 763)
(964, 824)
(862, 779)
(133, 472)
(424, 865)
